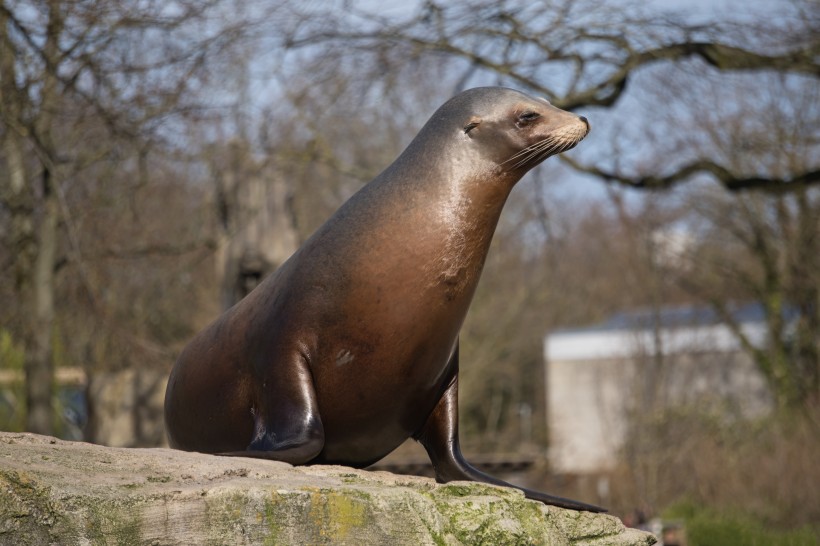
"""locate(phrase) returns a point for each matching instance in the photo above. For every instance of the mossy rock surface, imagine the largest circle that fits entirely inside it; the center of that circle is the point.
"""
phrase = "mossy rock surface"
(56, 492)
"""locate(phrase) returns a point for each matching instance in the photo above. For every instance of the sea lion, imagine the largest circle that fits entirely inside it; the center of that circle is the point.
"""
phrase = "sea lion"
(351, 346)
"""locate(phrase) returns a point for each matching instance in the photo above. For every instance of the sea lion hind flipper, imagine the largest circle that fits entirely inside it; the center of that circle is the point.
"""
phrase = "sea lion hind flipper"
(439, 436)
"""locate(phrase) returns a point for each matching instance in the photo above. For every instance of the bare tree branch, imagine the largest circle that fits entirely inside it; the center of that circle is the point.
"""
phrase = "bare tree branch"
(720, 56)
(623, 60)
(147, 250)
(729, 180)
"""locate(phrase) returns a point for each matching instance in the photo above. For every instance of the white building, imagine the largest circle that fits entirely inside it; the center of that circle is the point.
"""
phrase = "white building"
(597, 376)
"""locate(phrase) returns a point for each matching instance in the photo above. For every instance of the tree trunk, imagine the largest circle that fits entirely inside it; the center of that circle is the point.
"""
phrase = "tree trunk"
(39, 365)
(15, 194)
(256, 232)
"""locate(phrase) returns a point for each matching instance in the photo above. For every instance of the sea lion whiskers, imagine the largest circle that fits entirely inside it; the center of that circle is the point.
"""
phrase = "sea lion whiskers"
(532, 149)
(553, 144)
(536, 152)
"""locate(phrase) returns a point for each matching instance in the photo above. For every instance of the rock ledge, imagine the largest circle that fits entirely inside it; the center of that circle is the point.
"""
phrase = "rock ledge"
(57, 492)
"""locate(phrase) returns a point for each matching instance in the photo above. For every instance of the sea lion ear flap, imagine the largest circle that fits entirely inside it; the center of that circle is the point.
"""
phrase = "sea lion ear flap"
(473, 123)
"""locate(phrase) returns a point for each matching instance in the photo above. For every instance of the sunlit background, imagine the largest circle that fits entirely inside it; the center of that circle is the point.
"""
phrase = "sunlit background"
(646, 334)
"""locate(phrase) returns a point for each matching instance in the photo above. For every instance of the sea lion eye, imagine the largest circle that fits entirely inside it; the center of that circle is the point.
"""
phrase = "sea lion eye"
(529, 116)
(470, 126)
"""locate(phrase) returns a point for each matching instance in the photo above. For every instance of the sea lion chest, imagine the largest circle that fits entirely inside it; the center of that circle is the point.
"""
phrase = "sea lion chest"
(375, 302)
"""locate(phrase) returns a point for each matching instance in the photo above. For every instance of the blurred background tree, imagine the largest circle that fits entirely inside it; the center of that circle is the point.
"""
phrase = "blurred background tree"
(159, 158)
(92, 95)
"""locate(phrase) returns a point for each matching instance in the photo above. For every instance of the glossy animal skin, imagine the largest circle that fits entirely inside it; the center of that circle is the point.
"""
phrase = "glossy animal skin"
(351, 347)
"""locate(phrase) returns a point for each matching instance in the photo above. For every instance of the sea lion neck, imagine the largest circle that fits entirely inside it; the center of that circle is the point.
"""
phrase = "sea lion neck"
(444, 165)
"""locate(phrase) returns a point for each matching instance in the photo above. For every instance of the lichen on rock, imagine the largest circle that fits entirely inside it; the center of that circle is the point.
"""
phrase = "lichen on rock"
(56, 492)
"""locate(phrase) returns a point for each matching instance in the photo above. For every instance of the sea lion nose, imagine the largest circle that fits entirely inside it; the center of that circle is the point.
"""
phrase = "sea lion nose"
(585, 120)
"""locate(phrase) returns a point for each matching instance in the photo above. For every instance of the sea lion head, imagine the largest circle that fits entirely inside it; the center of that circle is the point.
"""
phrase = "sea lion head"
(511, 130)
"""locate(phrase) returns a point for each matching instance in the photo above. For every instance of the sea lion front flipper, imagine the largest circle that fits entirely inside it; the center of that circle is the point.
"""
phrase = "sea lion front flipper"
(439, 436)
(287, 426)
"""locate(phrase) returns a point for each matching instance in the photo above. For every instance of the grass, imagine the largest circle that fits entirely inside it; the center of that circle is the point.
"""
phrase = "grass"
(709, 527)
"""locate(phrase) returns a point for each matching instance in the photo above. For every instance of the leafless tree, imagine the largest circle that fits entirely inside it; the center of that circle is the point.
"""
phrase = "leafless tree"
(584, 54)
(84, 83)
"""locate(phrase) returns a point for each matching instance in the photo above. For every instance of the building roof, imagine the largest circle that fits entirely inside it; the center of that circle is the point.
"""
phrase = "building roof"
(679, 329)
